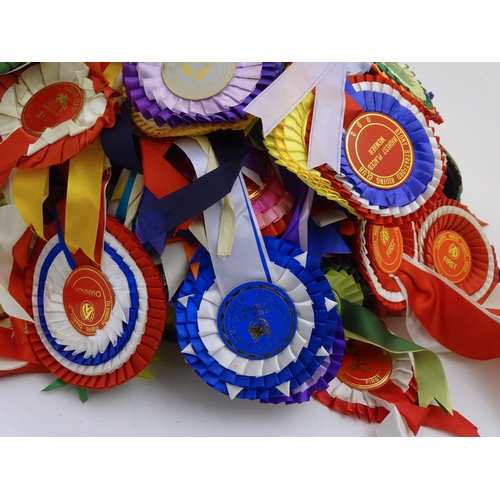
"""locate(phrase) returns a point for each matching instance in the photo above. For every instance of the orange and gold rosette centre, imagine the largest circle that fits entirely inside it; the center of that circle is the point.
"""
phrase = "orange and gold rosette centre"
(88, 300)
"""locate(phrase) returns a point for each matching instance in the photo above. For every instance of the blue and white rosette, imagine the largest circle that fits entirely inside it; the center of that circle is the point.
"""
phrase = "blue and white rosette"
(236, 375)
(426, 177)
(125, 344)
(258, 323)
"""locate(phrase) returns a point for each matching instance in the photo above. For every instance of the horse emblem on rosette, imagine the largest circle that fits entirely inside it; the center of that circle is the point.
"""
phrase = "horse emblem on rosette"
(454, 251)
(259, 327)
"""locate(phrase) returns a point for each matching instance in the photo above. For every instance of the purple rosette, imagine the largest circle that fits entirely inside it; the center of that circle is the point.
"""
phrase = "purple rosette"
(188, 93)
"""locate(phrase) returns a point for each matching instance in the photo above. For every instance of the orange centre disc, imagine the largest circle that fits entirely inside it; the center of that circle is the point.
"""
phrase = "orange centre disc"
(88, 299)
(387, 244)
(451, 254)
(379, 151)
(365, 366)
(51, 106)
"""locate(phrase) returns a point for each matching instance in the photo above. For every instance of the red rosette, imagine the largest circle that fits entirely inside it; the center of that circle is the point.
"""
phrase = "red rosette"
(13, 149)
(379, 250)
(451, 241)
(152, 312)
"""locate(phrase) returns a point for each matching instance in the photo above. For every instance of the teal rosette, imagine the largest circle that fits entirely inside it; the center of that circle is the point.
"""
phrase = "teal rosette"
(265, 363)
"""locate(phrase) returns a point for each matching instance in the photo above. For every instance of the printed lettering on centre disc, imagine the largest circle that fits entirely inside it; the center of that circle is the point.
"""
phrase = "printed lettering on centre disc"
(379, 151)
(88, 299)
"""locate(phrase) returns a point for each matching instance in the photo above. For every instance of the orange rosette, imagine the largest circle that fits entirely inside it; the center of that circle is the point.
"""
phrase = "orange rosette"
(452, 242)
(379, 251)
(51, 112)
(95, 328)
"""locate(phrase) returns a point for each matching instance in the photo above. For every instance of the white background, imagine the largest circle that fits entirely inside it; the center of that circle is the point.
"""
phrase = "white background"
(178, 403)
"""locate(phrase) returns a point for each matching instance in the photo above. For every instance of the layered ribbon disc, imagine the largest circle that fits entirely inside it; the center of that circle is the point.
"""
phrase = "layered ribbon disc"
(95, 328)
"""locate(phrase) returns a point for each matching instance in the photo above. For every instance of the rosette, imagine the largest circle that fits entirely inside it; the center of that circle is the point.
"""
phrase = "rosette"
(452, 242)
(182, 98)
(373, 383)
(453, 185)
(391, 164)
(401, 74)
(263, 340)
(365, 368)
(95, 328)
(52, 112)
(379, 251)
(270, 202)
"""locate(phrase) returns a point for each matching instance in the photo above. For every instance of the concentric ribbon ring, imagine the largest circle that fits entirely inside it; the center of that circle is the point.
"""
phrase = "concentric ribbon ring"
(120, 349)
(452, 242)
(161, 95)
(316, 334)
(371, 367)
(78, 102)
(378, 250)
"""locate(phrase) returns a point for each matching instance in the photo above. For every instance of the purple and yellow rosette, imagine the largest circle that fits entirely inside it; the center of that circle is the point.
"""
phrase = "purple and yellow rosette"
(266, 363)
(194, 98)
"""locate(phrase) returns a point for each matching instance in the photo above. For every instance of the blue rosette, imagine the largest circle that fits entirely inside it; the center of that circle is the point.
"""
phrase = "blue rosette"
(385, 100)
(240, 364)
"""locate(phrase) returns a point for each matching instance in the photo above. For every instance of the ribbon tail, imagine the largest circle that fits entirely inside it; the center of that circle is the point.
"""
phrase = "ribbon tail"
(328, 115)
(448, 314)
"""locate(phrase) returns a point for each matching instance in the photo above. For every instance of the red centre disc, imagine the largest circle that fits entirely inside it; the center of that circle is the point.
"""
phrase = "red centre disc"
(387, 244)
(88, 300)
(365, 366)
(379, 151)
(452, 257)
(51, 106)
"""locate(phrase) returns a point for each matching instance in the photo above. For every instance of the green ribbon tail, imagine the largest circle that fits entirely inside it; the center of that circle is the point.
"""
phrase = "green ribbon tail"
(57, 384)
(82, 393)
(361, 324)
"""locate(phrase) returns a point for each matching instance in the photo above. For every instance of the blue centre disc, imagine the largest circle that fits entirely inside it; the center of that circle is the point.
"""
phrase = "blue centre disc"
(257, 320)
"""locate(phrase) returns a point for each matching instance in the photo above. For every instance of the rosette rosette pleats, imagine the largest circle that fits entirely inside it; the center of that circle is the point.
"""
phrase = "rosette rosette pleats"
(391, 163)
(373, 383)
(52, 112)
(379, 252)
(194, 98)
(280, 357)
(95, 328)
(452, 242)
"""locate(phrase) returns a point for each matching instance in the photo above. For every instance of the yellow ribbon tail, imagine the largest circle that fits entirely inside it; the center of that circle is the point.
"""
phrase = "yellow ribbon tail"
(83, 202)
(29, 190)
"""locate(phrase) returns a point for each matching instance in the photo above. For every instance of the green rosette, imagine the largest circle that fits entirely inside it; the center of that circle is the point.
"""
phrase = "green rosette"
(401, 74)
(453, 186)
(8, 67)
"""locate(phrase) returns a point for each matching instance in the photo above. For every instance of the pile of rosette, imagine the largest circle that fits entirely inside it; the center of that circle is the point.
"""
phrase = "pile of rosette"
(264, 216)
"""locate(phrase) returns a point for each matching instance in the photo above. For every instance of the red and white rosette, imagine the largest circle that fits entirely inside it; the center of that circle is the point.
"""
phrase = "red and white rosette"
(379, 251)
(95, 328)
(452, 242)
(365, 368)
(379, 386)
(52, 112)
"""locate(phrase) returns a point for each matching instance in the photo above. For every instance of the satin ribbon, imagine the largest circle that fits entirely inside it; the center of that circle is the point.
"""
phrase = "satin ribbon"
(84, 220)
(30, 189)
(448, 314)
(361, 324)
(288, 90)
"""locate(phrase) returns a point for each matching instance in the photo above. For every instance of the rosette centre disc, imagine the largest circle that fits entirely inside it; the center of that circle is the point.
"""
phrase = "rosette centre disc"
(379, 150)
(257, 320)
(387, 245)
(197, 80)
(51, 106)
(452, 257)
(88, 300)
(365, 366)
